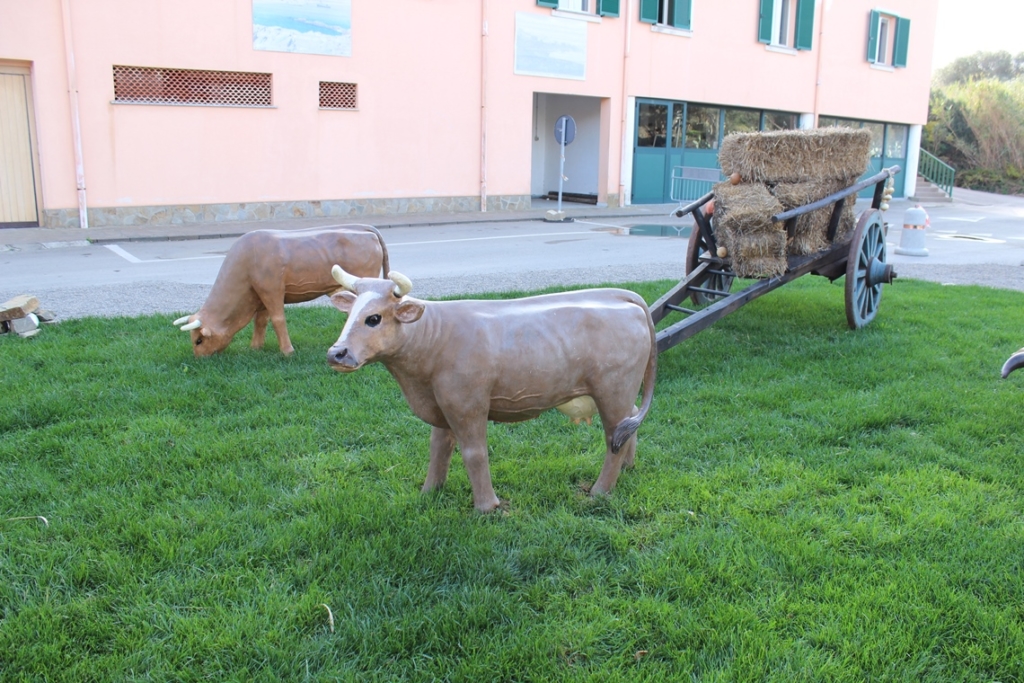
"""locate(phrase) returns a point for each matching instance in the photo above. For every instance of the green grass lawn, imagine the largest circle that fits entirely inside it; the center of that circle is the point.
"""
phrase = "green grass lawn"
(809, 503)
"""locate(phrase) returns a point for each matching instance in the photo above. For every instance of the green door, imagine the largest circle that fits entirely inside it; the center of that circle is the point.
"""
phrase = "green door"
(651, 152)
(895, 152)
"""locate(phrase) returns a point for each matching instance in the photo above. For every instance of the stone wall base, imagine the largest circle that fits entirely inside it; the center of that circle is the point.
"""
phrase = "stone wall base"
(261, 211)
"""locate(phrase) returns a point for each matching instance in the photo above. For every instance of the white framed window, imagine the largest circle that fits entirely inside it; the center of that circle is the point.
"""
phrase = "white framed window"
(675, 14)
(783, 23)
(584, 6)
(603, 8)
(787, 24)
(888, 36)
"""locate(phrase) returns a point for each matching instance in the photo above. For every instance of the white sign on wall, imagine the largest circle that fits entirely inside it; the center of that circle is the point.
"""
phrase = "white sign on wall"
(316, 27)
(550, 46)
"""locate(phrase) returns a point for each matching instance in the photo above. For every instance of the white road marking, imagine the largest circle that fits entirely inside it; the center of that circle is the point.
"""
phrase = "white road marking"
(481, 239)
(964, 220)
(134, 259)
(603, 225)
(579, 233)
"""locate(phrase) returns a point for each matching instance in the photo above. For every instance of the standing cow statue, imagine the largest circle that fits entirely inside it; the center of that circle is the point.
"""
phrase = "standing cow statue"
(266, 269)
(1013, 362)
(462, 363)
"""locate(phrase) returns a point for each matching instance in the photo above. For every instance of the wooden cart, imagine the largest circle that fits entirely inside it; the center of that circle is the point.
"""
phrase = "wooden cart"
(709, 278)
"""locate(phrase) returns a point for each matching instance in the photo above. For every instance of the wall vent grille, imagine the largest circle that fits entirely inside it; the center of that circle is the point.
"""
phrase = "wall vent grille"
(337, 95)
(146, 85)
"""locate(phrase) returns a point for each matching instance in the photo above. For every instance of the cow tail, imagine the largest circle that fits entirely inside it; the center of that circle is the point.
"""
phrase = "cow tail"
(385, 263)
(625, 429)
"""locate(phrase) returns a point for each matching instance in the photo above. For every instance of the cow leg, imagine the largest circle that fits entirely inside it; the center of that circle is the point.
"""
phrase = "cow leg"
(259, 328)
(472, 438)
(442, 443)
(281, 330)
(613, 462)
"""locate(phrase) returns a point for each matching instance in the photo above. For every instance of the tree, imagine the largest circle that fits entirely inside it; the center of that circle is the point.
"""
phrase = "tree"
(1001, 66)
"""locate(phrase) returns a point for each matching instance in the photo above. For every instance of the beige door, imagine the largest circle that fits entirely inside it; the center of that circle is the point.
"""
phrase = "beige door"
(18, 199)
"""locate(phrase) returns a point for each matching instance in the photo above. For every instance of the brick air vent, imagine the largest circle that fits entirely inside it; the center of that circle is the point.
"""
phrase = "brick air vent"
(337, 95)
(146, 85)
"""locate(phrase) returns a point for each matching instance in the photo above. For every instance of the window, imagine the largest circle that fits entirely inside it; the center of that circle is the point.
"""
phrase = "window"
(779, 120)
(650, 128)
(887, 138)
(702, 127)
(337, 95)
(673, 13)
(741, 121)
(896, 141)
(606, 8)
(887, 39)
(145, 85)
(787, 23)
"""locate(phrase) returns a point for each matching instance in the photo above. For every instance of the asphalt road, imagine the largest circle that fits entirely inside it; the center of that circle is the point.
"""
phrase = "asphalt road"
(979, 242)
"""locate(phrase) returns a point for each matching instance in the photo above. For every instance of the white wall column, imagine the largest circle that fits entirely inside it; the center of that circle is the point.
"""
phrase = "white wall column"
(913, 161)
(626, 163)
(806, 121)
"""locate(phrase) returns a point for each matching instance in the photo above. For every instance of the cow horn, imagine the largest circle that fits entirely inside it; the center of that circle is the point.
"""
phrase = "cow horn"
(403, 285)
(1012, 363)
(182, 319)
(344, 279)
(195, 324)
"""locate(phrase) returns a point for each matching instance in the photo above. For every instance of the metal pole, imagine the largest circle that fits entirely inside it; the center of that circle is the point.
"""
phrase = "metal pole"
(76, 129)
(561, 167)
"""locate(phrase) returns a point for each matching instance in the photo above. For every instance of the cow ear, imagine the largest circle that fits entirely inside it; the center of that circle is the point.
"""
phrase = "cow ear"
(206, 332)
(343, 300)
(408, 311)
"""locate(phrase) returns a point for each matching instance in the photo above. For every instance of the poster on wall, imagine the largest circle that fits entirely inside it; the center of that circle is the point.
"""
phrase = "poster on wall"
(315, 27)
(550, 46)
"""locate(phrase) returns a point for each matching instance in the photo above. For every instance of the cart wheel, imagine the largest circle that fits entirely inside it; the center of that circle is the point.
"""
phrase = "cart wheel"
(694, 248)
(866, 270)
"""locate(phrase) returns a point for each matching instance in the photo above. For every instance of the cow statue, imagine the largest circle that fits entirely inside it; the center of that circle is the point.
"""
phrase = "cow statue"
(266, 269)
(462, 363)
(1013, 362)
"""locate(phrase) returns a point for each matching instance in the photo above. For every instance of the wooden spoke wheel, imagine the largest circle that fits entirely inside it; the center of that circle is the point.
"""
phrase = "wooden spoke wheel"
(721, 282)
(866, 270)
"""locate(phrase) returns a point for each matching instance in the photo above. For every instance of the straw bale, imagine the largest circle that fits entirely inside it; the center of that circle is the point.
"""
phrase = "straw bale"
(810, 234)
(743, 225)
(796, 156)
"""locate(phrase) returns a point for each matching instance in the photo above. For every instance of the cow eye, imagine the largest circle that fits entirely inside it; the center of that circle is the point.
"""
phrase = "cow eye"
(373, 320)
(199, 340)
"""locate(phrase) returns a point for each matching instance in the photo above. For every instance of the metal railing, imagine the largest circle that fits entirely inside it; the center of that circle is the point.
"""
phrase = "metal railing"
(937, 171)
(690, 183)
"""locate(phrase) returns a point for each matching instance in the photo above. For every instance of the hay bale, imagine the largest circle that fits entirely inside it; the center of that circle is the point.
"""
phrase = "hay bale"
(756, 245)
(810, 235)
(796, 156)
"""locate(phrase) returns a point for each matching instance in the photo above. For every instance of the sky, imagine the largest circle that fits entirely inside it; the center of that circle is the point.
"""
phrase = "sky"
(969, 26)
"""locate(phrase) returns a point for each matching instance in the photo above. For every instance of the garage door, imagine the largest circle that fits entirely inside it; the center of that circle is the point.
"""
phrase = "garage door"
(18, 206)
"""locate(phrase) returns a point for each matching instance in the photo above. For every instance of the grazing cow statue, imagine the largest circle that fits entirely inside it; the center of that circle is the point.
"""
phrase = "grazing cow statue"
(462, 363)
(266, 269)
(1013, 362)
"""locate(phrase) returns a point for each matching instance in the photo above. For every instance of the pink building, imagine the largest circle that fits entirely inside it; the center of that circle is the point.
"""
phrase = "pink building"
(168, 111)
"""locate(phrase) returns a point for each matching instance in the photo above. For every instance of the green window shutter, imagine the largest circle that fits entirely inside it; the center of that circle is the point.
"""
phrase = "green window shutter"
(682, 14)
(899, 57)
(873, 36)
(764, 25)
(548, 3)
(804, 24)
(649, 11)
(608, 8)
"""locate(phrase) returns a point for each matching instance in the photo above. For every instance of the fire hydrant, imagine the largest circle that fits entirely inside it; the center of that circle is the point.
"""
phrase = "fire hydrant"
(915, 220)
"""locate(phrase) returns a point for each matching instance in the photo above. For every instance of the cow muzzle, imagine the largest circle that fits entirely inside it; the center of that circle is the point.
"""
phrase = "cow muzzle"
(342, 360)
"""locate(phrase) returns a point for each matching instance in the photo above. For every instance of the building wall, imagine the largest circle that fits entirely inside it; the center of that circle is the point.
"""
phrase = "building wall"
(442, 116)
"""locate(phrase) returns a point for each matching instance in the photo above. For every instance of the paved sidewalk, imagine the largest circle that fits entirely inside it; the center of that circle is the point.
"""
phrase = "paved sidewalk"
(43, 238)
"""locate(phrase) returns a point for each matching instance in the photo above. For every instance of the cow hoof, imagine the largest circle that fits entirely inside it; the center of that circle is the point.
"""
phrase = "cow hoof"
(491, 506)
